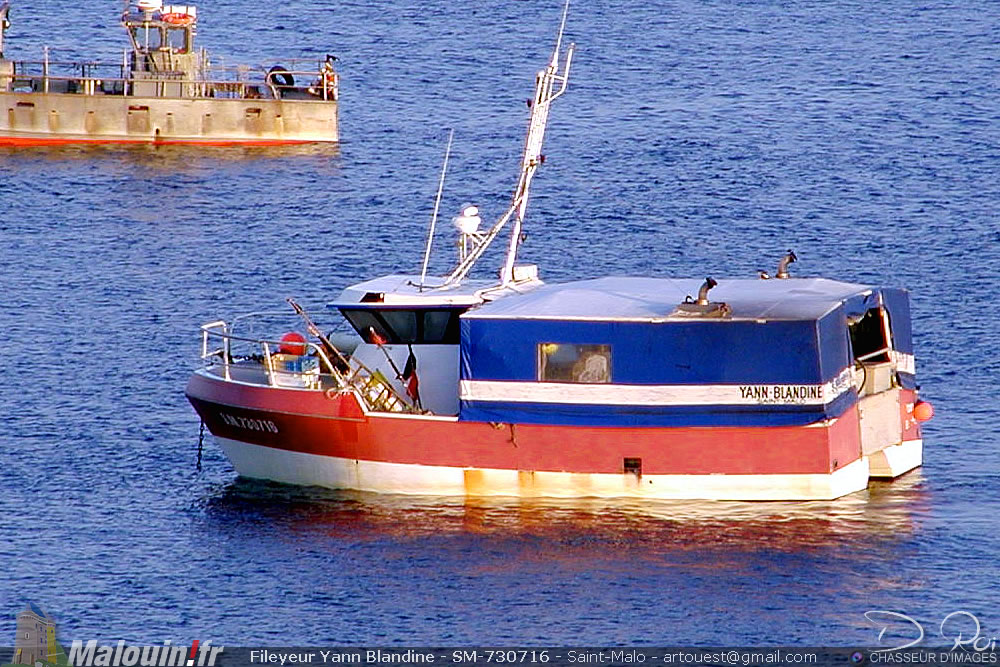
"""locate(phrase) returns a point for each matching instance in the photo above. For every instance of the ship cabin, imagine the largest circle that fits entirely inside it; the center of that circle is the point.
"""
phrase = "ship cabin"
(623, 351)
(395, 316)
(164, 62)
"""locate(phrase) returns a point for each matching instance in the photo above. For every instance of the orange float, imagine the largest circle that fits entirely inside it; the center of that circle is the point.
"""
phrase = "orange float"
(923, 411)
(177, 18)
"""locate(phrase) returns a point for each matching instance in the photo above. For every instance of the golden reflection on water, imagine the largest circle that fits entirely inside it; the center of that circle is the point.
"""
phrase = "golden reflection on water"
(887, 510)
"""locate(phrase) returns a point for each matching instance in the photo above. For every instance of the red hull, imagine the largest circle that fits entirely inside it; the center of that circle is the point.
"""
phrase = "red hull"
(310, 423)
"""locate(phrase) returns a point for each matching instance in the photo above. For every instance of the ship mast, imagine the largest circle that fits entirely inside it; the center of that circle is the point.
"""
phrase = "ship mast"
(545, 92)
(4, 23)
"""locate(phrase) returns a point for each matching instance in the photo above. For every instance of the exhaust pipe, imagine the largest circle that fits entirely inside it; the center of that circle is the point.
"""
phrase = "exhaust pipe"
(783, 264)
(703, 291)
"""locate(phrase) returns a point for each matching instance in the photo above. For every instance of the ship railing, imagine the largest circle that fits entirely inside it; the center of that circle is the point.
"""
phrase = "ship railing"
(316, 368)
(875, 372)
(241, 82)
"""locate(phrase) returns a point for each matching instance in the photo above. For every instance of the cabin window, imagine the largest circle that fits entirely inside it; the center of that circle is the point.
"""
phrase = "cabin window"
(569, 362)
(365, 322)
(438, 322)
(870, 336)
(177, 40)
(403, 325)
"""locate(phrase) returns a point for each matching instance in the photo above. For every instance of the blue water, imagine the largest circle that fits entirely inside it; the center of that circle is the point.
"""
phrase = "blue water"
(697, 138)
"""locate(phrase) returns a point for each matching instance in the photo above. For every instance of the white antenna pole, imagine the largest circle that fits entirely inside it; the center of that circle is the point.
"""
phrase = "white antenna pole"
(562, 27)
(533, 143)
(545, 93)
(437, 205)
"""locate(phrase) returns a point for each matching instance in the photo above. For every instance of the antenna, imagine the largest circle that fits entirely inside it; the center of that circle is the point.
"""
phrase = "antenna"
(4, 23)
(533, 143)
(562, 28)
(437, 205)
(545, 93)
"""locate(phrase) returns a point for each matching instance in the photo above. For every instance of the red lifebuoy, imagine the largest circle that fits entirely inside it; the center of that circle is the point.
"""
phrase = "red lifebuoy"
(177, 18)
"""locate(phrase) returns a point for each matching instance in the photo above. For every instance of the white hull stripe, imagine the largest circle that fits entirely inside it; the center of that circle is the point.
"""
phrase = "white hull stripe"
(337, 473)
(655, 395)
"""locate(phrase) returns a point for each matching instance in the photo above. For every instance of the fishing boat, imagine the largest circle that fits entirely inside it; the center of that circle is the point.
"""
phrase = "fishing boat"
(164, 90)
(753, 388)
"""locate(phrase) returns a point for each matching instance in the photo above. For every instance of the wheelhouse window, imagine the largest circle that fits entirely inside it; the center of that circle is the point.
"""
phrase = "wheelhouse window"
(569, 362)
(870, 336)
(419, 326)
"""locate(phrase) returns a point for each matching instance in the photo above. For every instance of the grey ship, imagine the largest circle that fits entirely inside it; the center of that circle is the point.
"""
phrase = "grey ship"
(164, 91)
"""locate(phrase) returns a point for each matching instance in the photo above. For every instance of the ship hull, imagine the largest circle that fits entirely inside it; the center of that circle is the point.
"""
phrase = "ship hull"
(30, 119)
(311, 438)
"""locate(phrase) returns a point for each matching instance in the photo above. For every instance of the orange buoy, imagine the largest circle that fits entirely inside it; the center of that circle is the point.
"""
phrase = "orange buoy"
(177, 18)
(293, 343)
(922, 411)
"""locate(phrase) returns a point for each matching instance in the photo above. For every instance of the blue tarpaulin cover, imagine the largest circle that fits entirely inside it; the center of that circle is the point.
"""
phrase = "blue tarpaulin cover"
(780, 332)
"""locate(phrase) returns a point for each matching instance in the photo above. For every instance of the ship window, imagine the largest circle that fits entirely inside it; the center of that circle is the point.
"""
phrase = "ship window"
(567, 362)
(401, 325)
(438, 323)
(176, 39)
(869, 336)
(366, 323)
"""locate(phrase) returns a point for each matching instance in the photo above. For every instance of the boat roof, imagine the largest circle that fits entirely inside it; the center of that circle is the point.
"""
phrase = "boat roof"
(619, 298)
(404, 291)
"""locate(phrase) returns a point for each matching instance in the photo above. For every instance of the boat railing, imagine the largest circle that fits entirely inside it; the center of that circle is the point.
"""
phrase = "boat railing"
(216, 82)
(315, 368)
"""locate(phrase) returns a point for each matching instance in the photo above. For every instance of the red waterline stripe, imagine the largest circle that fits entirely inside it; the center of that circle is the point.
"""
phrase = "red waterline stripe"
(47, 141)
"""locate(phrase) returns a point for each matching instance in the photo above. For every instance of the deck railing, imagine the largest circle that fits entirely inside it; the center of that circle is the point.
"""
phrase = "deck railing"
(102, 78)
(229, 354)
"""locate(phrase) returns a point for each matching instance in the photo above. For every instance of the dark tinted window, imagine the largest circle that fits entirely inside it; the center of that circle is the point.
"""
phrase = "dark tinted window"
(366, 322)
(402, 325)
(868, 337)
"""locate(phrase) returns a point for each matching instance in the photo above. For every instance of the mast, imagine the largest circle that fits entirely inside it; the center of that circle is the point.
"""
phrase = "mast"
(544, 84)
(437, 206)
(4, 23)
(545, 92)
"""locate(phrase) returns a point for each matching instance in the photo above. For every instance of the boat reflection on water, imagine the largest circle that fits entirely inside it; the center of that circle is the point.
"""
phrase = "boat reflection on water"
(167, 156)
(885, 511)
